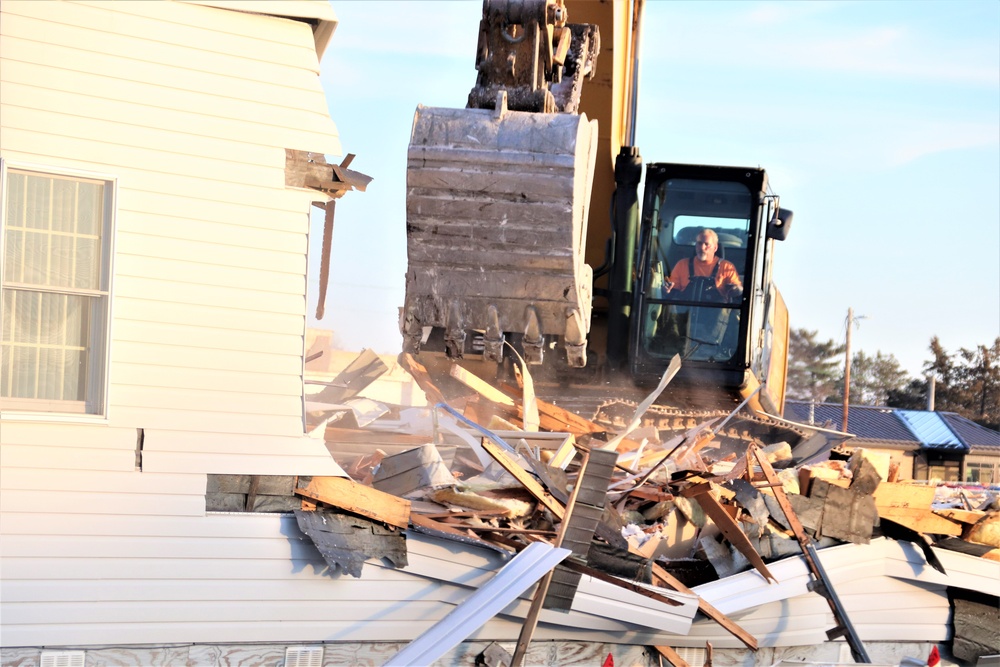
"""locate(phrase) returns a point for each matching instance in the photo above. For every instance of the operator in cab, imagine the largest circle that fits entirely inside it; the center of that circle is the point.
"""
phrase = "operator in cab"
(705, 277)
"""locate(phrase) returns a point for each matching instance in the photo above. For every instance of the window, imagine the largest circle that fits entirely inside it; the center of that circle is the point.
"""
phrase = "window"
(56, 268)
(704, 324)
(980, 473)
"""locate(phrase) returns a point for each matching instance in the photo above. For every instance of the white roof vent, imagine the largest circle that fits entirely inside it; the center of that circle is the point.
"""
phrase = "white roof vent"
(692, 655)
(63, 658)
(302, 656)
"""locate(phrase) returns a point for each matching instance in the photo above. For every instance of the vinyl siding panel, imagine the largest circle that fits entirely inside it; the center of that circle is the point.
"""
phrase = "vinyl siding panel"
(65, 458)
(128, 352)
(190, 108)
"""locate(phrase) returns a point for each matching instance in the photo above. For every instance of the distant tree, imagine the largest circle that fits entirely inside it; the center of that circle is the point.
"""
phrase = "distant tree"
(978, 377)
(967, 383)
(913, 396)
(872, 379)
(813, 365)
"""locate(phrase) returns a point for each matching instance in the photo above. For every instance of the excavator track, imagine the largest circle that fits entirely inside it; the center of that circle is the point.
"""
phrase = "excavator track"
(740, 431)
(614, 409)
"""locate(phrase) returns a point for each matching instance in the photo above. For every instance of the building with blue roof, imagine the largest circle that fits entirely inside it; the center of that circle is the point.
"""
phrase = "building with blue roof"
(924, 444)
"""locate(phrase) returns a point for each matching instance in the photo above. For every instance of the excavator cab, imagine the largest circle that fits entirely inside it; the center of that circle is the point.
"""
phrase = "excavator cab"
(708, 319)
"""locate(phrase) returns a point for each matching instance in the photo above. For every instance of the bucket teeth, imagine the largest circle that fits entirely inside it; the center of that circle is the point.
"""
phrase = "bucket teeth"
(496, 215)
(533, 341)
(454, 333)
(494, 338)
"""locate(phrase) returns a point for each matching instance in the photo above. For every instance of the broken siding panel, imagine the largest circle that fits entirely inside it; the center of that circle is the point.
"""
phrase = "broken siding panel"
(311, 9)
(102, 482)
(249, 464)
(389, 589)
(111, 502)
(57, 457)
(68, 435)
(804, 620)
(219, 443)
(905, 560)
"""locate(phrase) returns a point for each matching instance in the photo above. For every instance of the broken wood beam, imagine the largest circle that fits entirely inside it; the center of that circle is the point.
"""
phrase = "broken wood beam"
(554, 418)
(252, 492)
(351, 496)
(702, 493)
(542, 590)
(663, 578)
(812, 560)
(672, 656)
(524, 477)
(422, 377)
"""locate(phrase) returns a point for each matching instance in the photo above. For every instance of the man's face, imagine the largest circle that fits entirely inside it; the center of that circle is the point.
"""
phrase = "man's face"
(705, 247)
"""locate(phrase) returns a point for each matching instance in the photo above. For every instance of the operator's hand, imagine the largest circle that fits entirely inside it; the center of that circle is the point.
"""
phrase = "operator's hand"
(667, 286)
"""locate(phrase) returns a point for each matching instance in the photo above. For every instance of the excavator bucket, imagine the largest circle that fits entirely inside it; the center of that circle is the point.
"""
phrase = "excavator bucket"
(496, 225)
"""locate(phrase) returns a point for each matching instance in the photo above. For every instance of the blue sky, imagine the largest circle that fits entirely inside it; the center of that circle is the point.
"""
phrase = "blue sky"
(878, 122)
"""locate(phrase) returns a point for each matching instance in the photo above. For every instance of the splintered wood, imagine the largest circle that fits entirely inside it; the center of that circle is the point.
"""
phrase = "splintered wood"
(672, 508)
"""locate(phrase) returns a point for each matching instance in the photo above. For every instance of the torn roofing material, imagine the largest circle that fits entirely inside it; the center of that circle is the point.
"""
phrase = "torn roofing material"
(347, 541)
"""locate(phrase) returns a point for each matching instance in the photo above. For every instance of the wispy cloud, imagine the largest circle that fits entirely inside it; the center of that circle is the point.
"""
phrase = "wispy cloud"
(405, 27)
(796, 36)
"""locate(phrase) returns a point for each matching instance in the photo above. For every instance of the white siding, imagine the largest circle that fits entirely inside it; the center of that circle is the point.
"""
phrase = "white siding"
(191, 109)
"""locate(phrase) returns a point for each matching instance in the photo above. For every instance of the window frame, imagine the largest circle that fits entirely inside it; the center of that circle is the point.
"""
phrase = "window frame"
(95, 404)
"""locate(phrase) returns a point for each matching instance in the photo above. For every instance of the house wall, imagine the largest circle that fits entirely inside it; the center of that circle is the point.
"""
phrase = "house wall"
(191, 108)
(901, 457)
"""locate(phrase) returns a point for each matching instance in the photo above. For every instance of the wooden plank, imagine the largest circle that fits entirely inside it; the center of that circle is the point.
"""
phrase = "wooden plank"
(476, 383)
(353, 497)
(921, 520)
(422, 378)
(733, 533)
(521, 475)
(962, 516)
(900, 494)
(554, 418)
(672, 656)
(663, 578)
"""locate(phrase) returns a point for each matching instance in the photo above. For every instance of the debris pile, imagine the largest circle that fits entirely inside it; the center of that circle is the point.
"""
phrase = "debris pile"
(639, 507)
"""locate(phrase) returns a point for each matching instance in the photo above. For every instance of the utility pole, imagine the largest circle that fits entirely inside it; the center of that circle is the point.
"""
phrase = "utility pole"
(847, 367)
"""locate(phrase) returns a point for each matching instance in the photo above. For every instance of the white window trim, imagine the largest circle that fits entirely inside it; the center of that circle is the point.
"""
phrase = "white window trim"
(109, 244)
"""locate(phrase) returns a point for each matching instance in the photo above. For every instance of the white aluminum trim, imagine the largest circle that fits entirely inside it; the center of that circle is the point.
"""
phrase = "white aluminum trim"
(513, 579)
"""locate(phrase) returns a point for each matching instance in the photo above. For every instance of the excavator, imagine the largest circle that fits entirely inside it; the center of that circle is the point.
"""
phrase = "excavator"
(525, 232)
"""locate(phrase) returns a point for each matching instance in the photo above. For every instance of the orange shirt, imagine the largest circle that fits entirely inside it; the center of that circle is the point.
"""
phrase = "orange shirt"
(726, 280)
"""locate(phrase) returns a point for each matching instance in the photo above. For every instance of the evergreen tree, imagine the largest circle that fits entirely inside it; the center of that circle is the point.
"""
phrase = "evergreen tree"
(967, 383)
(873, 379)
(812, 365)
(978, 377)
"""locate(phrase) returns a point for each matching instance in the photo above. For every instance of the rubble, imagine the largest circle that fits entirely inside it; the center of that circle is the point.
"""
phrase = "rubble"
(674, 514)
